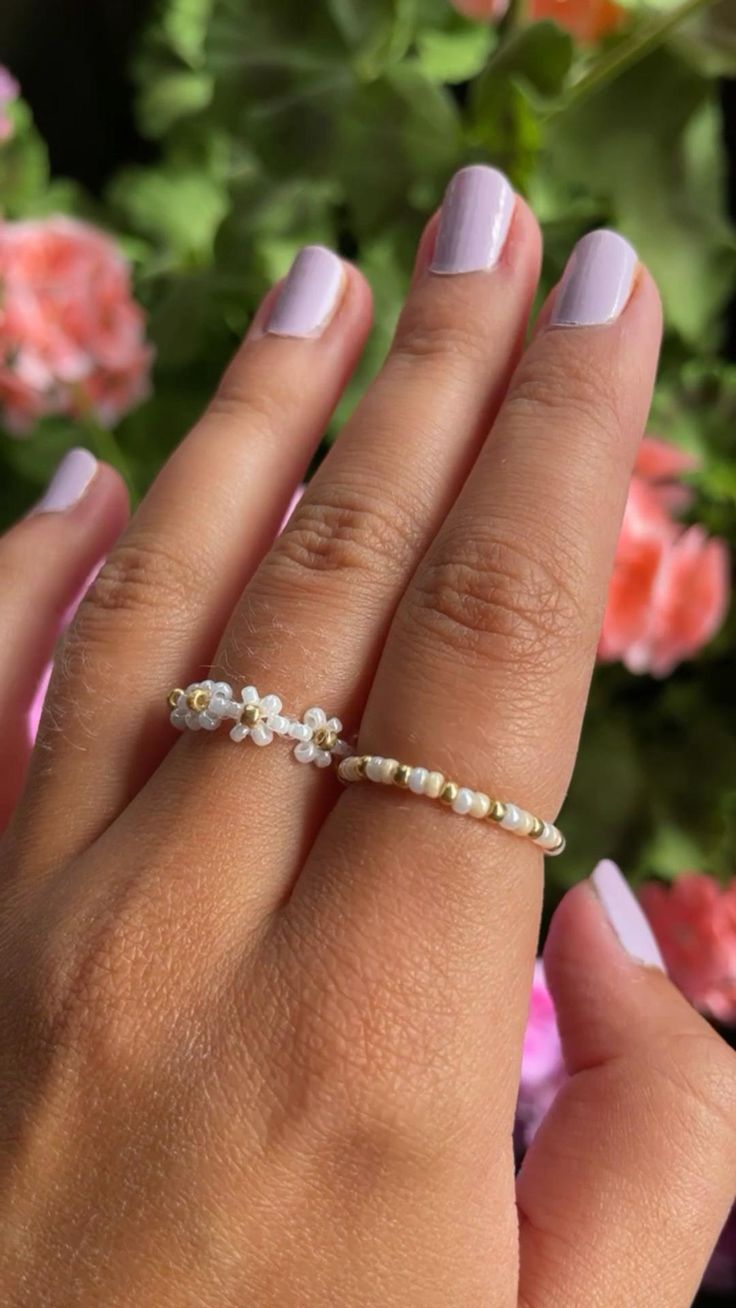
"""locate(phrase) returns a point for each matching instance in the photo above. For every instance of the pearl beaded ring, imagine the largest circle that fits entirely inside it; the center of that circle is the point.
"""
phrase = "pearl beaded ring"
(205, 705)
(473, 803)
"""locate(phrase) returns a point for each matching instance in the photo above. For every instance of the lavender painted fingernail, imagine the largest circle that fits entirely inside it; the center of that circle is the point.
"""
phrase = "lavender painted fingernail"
(474, 223)
(597, 281)
(69, 482)
(625, 914)
(310, 294)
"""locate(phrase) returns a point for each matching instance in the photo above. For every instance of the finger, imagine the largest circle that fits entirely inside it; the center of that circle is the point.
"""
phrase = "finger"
(628, 1182)
(486, 669)
(312, 623)
(45, 561)
(156, 611)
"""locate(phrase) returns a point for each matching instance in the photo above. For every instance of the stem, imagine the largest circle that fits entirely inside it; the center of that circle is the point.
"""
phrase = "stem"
(625, 55)
(107, 447)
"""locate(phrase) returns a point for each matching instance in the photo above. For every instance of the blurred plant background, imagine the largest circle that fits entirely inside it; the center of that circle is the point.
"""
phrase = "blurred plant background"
(211, 138)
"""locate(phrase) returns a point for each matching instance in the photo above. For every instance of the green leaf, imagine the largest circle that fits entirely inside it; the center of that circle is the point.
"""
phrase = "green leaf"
(540, 55)
(179, 207)
(651, 183)
(167, 99)
(457, 55)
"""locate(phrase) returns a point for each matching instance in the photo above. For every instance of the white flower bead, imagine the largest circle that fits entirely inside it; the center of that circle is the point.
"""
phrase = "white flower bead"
(300, 731)
(418, 780)
(463, 800)
(481, 805)
(261, 734)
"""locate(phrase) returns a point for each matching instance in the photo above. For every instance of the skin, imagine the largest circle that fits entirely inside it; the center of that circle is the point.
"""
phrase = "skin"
(260, 1036)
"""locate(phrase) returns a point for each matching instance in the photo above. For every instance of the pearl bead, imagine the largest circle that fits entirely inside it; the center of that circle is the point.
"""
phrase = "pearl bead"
(480, 805)
(463, 800)
(433, 785)
(418, 780)
(388, 769)
(511, 820)
(373, 768)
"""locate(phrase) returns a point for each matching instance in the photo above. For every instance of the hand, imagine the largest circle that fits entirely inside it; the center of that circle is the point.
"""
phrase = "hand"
(260, 1036)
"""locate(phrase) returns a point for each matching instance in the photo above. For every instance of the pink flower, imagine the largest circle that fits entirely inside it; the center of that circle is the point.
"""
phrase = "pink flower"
(670, 586)
(481, 9)
(72, 339)
(9, 91)
(542, 1066)
(661, 466)
(588, 20)
(694, 920)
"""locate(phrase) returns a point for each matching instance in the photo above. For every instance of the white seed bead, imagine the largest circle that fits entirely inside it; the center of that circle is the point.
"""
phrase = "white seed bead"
(549, 837)
(463, 801)
(261, 734)
(279, 724)
(418, 780)
(511, 820)
(388, 770)
(249, 695)
(373, 768)
(305, 751)
(434, 783)
(342, 749)
(525, 823)
(481, 804)
(322, 758)
(300, 731)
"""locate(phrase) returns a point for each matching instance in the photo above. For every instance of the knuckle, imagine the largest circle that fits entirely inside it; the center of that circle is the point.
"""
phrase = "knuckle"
(561, 383)
(138, 578)
(354, 534)
(435, 337)
(256, 408)
(489, 598)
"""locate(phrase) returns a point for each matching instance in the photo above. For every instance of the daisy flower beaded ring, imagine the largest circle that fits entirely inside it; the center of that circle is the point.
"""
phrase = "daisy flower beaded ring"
(206, 705)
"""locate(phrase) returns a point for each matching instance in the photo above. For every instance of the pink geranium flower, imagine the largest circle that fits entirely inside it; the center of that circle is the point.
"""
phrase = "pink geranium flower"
(481, 9)
(694, 920)
(542, 1066)
(9, 91)
(670, 586)
(72, 338)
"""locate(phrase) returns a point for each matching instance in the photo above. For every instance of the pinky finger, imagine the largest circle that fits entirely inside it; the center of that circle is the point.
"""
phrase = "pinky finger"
(45, 561)
(628, 1182)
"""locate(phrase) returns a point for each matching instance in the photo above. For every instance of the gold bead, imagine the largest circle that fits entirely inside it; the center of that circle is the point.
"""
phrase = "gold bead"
(198, 700)
(496, 811)
(401, 777)
(448, 793)
(536, 828)
(250, 715)
(324, 738)
(173, 699)
(361, 764)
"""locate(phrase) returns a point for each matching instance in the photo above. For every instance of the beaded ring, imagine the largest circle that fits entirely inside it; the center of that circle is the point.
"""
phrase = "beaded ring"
(473, 803)
(205, 705)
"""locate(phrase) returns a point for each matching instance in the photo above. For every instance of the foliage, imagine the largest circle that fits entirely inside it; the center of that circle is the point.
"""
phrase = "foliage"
(278, 122)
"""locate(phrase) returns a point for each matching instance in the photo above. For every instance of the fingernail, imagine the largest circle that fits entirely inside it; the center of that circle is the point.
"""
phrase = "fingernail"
(622, 908)
(597, 281)
(309, 296)
(69, 482)
(474, 222)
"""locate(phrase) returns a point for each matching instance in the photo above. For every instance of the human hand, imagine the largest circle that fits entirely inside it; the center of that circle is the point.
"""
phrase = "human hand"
(260, 1036)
